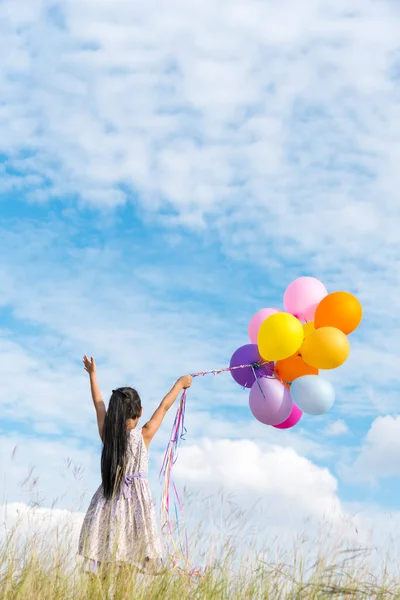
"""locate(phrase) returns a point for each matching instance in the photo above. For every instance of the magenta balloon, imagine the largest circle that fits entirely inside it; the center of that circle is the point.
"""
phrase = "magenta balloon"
(292, 420)
(270, 401)
(245, 355)
(257, 321)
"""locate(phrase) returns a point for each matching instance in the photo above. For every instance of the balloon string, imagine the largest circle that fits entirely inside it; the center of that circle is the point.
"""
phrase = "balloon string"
(256, 365)
(258, 383)
(180, 552)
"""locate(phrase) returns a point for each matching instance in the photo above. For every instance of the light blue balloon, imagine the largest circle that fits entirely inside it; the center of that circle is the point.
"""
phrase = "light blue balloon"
(312, 394)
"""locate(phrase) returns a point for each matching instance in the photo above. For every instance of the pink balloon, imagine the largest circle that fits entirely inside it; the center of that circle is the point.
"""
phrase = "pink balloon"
(270, 401)
(302, 297)
(257, 321)
(292, 420)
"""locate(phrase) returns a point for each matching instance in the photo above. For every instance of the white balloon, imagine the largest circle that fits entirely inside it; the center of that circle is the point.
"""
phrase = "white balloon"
(312, 394)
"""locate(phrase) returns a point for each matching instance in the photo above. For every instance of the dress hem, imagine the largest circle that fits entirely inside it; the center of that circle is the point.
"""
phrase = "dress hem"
(92, 565)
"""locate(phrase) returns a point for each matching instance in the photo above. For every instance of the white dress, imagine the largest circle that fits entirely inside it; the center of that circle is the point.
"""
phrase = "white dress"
(123, 529)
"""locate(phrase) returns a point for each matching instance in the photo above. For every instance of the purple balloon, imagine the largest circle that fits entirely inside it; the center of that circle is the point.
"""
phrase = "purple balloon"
(293, 418)
(270, 401)
(246, 355)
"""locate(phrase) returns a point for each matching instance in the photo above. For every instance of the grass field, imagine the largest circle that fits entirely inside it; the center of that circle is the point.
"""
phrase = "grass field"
(31, 569)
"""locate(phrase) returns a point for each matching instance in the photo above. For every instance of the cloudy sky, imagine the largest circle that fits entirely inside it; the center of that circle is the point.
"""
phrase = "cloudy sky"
(166, 169)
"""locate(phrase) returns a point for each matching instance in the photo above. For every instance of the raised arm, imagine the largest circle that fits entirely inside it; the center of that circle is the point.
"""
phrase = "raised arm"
(151, 427)
(90, 367)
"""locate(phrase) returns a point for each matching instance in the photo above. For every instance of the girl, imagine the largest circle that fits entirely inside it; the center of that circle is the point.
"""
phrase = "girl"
(120, 525)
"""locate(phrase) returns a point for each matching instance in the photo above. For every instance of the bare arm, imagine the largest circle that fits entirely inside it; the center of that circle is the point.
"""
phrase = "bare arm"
(151, 427)
(90, 367)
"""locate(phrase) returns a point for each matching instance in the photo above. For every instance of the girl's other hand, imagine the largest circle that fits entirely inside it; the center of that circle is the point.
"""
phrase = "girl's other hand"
(89, 365)
(185, 382)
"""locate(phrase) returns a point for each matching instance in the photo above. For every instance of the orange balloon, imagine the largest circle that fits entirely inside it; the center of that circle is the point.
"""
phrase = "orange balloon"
(326, 348)
(341, 310)
(292, 368)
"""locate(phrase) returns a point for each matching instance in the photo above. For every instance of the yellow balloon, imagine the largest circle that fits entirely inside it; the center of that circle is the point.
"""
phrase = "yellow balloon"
(308, 328)
(325, 348)
(280, 336)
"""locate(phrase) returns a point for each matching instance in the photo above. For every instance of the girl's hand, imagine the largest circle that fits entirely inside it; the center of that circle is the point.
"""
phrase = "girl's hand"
(90, 365)
(185, 382)
(151, 427)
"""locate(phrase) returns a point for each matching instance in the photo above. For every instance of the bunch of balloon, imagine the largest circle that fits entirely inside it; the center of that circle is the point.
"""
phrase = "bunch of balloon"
(289, 348)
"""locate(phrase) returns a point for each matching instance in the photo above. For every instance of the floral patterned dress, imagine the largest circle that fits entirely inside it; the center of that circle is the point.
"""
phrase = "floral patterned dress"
(123, 529)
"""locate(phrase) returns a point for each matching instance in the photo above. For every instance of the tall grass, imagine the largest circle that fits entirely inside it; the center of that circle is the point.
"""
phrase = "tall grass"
(38, 567)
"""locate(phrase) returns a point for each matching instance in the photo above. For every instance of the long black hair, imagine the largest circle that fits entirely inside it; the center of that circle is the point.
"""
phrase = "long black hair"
(124, 404)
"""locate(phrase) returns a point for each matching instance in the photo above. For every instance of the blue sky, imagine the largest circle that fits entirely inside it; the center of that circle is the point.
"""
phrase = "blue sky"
(164, 174)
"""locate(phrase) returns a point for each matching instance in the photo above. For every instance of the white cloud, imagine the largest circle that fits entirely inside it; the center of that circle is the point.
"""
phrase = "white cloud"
(45, 520)
(52, 532)
(379, 455)
(274, 126)
(336, 428)
(278, 474)
(291, 503)
(277, 105)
